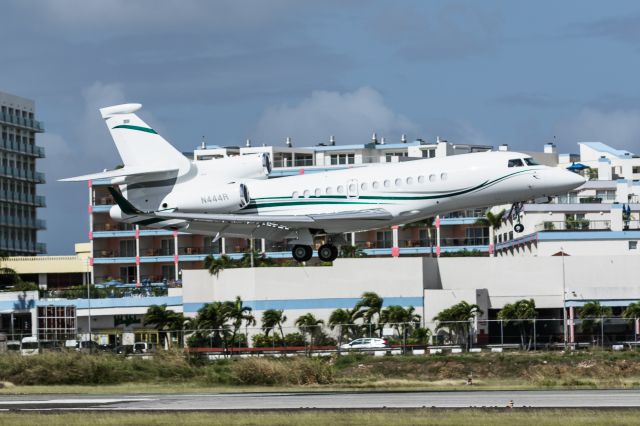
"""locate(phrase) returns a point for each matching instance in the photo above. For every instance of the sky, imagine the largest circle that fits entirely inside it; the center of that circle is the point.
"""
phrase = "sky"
(489, 72)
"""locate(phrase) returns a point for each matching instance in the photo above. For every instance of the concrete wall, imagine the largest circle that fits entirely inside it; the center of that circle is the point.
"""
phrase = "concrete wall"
(318, 290)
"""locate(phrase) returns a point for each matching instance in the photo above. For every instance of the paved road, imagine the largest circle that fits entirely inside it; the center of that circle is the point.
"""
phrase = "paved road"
(340, 400)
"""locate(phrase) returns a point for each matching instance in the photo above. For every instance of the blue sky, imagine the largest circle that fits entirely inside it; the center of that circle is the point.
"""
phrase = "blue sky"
(521, 73)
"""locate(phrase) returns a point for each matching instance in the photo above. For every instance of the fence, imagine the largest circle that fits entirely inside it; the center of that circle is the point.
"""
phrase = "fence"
(521, 334)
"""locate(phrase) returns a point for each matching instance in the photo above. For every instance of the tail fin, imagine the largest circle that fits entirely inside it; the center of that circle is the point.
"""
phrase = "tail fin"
(138, 144)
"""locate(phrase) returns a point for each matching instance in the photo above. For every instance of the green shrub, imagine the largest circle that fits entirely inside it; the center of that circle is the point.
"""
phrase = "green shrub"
(292, 371)
(294, 339)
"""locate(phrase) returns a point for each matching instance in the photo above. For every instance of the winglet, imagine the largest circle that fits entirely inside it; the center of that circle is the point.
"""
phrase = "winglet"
(123, 203)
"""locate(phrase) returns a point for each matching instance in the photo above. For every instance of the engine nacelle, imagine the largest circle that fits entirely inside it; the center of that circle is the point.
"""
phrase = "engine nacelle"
(223, 198)
(250, 166)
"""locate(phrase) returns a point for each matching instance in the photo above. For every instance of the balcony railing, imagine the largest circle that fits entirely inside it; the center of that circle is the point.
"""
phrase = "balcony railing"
(16, 197)
(22, 246)
(22, 148)
(23, 222)
(575, 225)
(29, 123)
(103, 201)
(98, 227)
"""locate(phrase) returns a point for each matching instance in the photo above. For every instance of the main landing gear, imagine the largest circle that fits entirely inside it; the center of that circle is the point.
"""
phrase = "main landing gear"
(514, 214)
(326, 253)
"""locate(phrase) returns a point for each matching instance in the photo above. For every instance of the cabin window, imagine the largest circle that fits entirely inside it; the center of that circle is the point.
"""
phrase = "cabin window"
(516, 162)
(409, 180)
(353, 188)
(328, 190)
(307, 193)
(443, 176)
(387, 183)
(420, 179)
(376, 185)
(318, 192)
(295, 194)
(340, 189)
(398, 182)
(364, 186)
(531, 162)
(432, 178)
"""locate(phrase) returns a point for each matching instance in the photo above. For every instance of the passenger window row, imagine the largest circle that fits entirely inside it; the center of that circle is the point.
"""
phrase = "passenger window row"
(364, 186)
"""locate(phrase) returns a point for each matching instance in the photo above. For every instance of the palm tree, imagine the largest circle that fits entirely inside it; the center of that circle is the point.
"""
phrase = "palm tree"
(238, 313)
(400, 318)
(457, 320)
(217, 265)
(308, 322)
(272, 318)
(163, 319)
(593, 313)
(8, 277)
(494, 222)
(345, 319)
(632, 313)
(520, 313)
(349, 250)
(213, 317)
(371, 305)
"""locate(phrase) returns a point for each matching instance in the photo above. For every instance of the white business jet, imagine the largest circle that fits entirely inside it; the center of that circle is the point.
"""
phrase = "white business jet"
(159, 187)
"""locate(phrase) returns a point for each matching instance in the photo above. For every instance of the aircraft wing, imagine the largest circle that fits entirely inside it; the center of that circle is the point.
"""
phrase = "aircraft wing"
(224, 221)
(285, 220)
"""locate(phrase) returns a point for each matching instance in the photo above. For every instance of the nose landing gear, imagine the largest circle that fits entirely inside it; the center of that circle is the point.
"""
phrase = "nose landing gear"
(514, 214)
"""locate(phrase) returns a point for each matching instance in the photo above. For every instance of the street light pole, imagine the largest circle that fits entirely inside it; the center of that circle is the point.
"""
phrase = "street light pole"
(89, 311)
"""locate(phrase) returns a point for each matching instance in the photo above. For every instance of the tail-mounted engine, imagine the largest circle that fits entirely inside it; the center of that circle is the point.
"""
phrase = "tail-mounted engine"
(224, 198)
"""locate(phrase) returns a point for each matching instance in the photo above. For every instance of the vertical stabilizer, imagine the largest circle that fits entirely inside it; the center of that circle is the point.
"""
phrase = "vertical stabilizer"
(137, 143)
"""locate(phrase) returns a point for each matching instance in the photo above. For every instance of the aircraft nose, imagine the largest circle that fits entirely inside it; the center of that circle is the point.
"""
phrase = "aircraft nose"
(574, 179)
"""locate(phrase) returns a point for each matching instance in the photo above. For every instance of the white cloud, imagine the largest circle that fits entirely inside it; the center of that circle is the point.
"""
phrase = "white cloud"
(351, 117)
(620, 128)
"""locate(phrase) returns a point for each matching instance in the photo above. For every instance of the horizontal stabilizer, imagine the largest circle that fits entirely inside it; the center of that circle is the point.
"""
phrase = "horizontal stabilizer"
(125, 171)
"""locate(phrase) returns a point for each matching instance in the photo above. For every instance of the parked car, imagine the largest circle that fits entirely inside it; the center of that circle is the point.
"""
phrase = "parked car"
(123, 349)
(87, 346)
(13, 346)
(29, 346)
(365, 343)
(143, 347)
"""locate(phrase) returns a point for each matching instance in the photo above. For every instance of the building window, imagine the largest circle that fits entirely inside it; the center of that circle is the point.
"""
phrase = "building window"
(337, 159)
(428, 153)
(635, 169)
(384, 239)
(633, 245)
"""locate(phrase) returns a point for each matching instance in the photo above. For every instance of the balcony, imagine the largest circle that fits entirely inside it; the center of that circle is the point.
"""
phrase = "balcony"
(19, 222)
(100, 227)
(575, 225)
(17, 197)
(22, 148)
(29, 123)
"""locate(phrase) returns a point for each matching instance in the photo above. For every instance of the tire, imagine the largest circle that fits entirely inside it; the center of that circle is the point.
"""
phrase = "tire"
(328, 252)
(518, 228)
(301, 253)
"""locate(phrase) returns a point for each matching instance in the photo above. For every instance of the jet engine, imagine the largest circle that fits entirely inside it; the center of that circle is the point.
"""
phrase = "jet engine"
(222, 198)
(249, 166)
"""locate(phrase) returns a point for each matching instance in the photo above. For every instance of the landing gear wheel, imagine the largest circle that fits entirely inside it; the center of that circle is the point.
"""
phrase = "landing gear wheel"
(302, 253)
(328, 252)
(518, 228)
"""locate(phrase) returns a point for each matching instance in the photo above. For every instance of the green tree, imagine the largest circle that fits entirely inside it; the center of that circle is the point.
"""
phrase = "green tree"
(520, 313)
(8, 277)
(632, 311)
(349, 250)
(592, 315)
(345, 320)
(239, 314)
(371, 305)
(421, 335)
(456, 319)
(215, 265)
(272, 318)
(213, 318)
(309, 324)
(163, 319)
(401, 319)
(494, 222)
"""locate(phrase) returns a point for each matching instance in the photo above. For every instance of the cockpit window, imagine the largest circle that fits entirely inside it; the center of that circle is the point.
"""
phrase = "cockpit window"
(516, 162)
(531, 162)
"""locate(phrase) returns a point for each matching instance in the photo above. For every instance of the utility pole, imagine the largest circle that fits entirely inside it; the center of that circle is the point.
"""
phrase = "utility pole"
(564, 301)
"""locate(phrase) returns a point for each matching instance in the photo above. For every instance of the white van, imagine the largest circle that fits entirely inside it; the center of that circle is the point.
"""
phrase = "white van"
(143, 347)
(29, 346)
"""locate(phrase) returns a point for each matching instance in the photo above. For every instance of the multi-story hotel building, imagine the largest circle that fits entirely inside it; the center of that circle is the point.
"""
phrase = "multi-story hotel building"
(19, 177)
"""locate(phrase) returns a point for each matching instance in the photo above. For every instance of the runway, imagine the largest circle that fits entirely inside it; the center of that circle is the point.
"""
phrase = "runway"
(324, 400)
